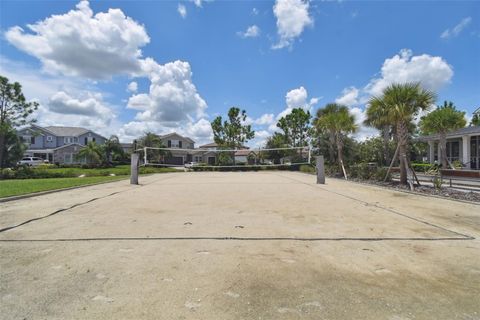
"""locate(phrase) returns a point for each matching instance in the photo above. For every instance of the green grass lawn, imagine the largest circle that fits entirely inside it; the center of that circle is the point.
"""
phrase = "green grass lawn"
(17, 187)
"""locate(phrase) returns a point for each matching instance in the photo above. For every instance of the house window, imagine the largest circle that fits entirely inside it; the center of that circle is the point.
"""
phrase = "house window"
(68, 158)
(85, 141)
(49, 138)
(68, 140)
(453, 150)
(75, 139)
(174, 144)
(32, 140)
(93, 139)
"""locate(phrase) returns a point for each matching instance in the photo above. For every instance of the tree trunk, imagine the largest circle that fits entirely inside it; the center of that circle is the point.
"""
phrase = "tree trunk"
(443, 150)
(331, 144)
(402, 132)
(2, 148)
(340, 158)
(386, 140)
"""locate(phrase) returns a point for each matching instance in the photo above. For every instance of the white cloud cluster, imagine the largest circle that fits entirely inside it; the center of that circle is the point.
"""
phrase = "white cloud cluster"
(297, 98)
(432, 72)
(349, 97)
(172, 97)
(92, 105)
(182, 10)
(455, 31)
(101, 46)
(132, 87)
(251, 32)
(80, 43)
(292, 18)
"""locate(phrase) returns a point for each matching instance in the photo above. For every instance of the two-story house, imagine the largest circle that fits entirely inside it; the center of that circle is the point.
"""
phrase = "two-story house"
(180, 149)
(57, 144)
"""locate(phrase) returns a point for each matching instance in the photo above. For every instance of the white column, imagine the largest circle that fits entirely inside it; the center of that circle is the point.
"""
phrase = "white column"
(431, 151)
(466, 151)
(439, 153)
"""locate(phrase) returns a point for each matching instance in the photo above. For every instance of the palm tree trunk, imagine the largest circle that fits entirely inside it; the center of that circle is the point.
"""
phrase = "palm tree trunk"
(402, 132)
(340, 157)
(443, 150)
(386, 140)
(331, 144)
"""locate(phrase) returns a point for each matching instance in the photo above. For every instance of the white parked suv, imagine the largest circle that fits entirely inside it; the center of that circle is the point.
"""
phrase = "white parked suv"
(191, 164)
(31, 161)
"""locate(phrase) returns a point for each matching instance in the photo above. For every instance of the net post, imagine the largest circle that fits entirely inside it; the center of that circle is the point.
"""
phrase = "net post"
(309, 154)
(134, 168)
(145, 155)
(320, 170)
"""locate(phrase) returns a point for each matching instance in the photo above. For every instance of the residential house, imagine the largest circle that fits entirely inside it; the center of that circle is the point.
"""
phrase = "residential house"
(57, 144)
(181, 149)
(462, 145)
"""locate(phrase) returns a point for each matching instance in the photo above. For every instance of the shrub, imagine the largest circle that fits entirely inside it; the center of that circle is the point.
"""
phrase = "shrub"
(306, 168)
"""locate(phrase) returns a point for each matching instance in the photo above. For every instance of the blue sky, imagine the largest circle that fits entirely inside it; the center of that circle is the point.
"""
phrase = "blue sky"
(191, 61)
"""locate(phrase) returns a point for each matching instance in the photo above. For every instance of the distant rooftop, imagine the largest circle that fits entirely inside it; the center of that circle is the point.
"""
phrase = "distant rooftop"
(472, 130)
(66, 131)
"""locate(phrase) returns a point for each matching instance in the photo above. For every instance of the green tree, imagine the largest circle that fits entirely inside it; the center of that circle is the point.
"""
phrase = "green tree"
(475, 120)
(152, 140)
(92, 153)
(112, 147)
(233, 132)
(296, 127)
(378, 118)
(338, 122)
(277, 140)
(402, 103)
(15, 111)
(440, 121)
(13, 148)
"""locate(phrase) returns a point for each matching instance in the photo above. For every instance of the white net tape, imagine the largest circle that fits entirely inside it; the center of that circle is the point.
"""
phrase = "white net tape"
(224, 158)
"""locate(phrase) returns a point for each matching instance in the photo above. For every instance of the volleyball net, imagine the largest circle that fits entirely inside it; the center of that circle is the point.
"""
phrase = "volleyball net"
(225, 158)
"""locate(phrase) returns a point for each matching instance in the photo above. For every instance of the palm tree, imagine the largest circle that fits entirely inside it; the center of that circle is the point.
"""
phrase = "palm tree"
(324, 113)
(402, 103)
(338, 122)
(92, 153)
(440, 121)
(111, 146)
(152, 140)
(377, 117)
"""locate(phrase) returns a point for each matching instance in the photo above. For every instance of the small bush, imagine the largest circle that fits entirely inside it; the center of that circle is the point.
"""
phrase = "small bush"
(307, 168)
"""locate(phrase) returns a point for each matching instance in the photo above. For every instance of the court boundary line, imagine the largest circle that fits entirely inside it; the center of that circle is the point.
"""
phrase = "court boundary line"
(316, 186)
(239, 239)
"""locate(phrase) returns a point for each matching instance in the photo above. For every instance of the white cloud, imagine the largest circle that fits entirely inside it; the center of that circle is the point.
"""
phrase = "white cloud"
(251, 32)
(349, 97)
(255, 11)
(182, 10)
(265, 119)
(455, 31)
(432, 72)
(297, 98)
(91, 105)
(83, 109)
(80, 43)
(172, 98)
(132, 87)
(292, 18)
(199, 3)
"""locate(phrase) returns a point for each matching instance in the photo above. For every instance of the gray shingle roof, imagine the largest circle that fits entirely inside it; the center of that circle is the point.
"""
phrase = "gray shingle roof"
(464, 131)
(66, 131)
